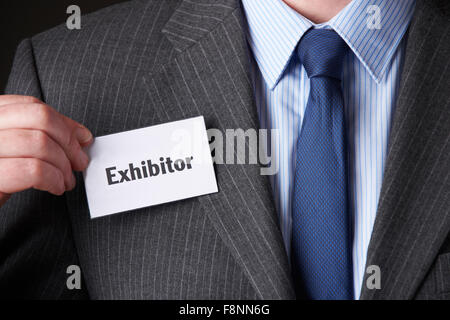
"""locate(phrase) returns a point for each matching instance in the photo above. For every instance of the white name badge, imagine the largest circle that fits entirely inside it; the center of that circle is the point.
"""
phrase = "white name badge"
(149, 166)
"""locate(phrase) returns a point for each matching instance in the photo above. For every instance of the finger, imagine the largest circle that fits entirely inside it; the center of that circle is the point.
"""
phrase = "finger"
(35, 116)
(15, 99)
(82, 134)
(68, 134)
(18, 174)
(25, 143)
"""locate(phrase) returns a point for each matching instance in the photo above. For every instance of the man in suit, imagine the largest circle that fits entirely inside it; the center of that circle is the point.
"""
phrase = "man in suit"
(146, 62)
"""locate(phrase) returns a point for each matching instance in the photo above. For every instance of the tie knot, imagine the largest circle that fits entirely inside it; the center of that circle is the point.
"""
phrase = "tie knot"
(322, 53)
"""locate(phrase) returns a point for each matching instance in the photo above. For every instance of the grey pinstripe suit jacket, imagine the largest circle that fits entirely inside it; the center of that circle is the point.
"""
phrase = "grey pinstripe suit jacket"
(146, 62)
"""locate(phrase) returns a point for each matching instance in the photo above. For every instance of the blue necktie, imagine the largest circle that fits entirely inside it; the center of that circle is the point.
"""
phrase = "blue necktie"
(321, 231)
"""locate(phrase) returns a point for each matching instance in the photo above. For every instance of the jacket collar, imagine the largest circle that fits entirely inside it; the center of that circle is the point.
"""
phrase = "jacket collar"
(210, 76)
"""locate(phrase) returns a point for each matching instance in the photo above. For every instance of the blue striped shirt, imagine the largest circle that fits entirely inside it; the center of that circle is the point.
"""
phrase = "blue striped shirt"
(374, 31)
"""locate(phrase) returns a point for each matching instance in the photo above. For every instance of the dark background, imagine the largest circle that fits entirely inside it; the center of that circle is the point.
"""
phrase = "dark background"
(20, 19)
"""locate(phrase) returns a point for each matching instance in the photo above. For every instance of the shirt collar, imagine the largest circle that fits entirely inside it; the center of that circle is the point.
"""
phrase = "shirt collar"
(274, 30)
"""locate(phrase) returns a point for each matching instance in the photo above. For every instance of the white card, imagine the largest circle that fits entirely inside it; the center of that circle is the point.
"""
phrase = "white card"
(149, 166)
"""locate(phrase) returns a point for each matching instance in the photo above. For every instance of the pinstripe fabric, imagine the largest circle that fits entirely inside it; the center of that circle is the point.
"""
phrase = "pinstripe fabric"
(413, 218)
(133, 65)
(211, 78)
(166, 252)
(371, 77)
(34, 255)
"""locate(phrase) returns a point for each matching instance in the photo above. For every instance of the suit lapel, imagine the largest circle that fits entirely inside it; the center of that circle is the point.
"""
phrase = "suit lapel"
(210, 76)
(413, 218)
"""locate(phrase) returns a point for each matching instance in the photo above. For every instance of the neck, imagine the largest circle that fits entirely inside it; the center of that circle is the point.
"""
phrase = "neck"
(318, 11)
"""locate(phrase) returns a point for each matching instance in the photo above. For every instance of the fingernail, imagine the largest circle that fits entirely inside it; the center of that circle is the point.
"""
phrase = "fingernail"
(73, 181)
(84, 159)
(83, 135)
(62, 188)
